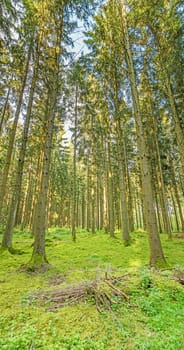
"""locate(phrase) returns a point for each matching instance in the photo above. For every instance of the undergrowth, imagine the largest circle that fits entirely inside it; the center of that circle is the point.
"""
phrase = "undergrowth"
(152, 318)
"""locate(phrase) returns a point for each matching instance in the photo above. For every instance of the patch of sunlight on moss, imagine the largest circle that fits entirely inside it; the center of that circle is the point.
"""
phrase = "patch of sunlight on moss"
(135, 263)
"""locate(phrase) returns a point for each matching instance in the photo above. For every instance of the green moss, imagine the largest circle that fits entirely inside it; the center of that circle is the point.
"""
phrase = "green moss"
(37, 263)
(160, 264)
(152, 319)
(3, 250)
(127, 243)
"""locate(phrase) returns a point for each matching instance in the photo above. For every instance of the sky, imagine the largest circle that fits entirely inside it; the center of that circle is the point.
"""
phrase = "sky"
(80, 47)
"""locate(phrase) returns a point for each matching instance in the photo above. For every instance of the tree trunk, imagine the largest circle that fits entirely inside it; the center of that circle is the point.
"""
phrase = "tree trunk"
(4, 111)
(13, 133)
(177, 194)
(74, 212)
(8, 233)
(38, 258)
(178, 129)
(88, 219)
(39, 224)
(110, 191)
(156, 253)
(175, 211)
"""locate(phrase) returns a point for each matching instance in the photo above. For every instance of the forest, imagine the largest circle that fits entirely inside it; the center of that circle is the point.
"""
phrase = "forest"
(91, 174)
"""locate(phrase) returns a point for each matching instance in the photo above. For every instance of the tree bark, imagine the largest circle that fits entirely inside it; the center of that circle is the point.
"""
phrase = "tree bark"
(8, 233)
(156, 253)
(74, 211)
(13, 133)
(4, 110)
(38, 258)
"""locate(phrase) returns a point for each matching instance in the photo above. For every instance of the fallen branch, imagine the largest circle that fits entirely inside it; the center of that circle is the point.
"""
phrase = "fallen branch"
(118, 292)
(100, 291)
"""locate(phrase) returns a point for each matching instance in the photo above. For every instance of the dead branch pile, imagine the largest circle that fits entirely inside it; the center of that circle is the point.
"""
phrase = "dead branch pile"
(179, 276)
(179, 235)
(103, 292)
(57, 279)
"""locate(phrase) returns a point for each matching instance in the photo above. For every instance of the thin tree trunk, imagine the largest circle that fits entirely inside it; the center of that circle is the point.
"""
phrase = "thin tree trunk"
(156, 151)
(175, 211)
(88, 221)
(158, 213)
(27, 201)
(74, 212)
(13, 133)
(4, 110)
(83, 211)
(98, 202)
(178, 129)
(177, 194)
(122, 184)
(110, 191)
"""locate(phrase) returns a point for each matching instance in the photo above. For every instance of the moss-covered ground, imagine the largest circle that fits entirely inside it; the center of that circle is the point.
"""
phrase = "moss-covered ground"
(153, 318)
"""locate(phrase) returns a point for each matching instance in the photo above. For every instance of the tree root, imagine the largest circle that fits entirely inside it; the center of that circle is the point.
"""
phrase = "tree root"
(179, 276)
(11, 250)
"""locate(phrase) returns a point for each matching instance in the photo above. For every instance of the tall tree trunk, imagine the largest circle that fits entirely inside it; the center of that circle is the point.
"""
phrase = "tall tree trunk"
(175, 211)
(130, 203)
(176, 194)
(27, 201)
(38, 258)
(88, 212)
(123, 193)
(36, 188)
(83, 208)
(156, 253)
(4, 110)
(177, 126)
(154, 144)
(39, 224)
(13, 133)
(110, 190)
(74, 212)
(162, 190)
(8, 233)
(122, 180)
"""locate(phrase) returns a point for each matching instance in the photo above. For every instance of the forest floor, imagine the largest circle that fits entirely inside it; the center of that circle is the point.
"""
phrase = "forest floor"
(152, 318)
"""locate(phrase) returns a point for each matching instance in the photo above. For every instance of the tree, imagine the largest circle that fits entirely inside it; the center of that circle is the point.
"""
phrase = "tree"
(156, 253)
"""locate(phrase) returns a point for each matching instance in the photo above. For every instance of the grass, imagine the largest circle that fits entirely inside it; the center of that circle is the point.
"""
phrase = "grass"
(151, 320)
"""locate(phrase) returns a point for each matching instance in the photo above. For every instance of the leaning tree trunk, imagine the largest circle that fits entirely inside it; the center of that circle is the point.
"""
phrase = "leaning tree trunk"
(156, 253)
(8, 233)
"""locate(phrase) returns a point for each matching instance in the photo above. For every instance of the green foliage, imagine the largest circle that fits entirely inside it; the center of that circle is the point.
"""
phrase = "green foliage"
(26, 340)
(146, 279)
